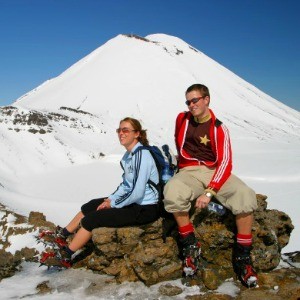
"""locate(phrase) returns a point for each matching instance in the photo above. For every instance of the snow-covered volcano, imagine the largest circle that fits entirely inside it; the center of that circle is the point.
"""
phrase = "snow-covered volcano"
(69, 121)
(147, 78)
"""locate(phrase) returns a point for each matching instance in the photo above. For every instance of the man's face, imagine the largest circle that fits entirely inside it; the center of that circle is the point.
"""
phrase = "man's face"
(198, 109)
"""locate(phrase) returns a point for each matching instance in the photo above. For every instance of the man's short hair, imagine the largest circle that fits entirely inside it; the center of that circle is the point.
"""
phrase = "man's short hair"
(199, 87)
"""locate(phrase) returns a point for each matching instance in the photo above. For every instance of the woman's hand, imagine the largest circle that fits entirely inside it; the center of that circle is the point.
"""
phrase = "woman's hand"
(105, 204)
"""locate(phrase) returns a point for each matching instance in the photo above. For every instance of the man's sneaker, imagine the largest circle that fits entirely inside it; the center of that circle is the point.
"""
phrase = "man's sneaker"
(191, 254)
(242, 265)
(59, 258)
(53, 238)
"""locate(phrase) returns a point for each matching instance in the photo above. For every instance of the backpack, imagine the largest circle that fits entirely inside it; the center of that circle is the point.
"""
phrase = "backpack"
(163, 159)
(162, 162)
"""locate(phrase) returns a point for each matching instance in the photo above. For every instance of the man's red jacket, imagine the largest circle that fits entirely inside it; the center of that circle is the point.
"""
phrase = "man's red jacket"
(220, 141)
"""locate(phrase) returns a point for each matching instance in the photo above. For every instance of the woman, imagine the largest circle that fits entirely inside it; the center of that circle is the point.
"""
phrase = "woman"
(133, 203)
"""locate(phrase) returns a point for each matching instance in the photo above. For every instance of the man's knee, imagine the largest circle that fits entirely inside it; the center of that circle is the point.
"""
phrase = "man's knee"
(245, 202)
(177, 196)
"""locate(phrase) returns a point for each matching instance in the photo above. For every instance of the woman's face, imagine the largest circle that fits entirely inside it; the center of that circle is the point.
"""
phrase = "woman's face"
(128, 137)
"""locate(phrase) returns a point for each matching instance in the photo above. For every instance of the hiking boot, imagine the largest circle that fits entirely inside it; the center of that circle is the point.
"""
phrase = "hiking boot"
(59, 258)
(191, 255)
(53, 238)
(242, 265)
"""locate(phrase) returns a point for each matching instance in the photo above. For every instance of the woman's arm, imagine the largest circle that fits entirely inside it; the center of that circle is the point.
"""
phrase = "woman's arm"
(134, 191)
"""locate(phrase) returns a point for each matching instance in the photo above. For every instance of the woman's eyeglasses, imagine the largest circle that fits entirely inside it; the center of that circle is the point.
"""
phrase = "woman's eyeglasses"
(194, 101)
(124, 130)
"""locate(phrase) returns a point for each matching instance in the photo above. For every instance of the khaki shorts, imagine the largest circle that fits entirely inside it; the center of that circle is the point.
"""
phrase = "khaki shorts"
(190, 183)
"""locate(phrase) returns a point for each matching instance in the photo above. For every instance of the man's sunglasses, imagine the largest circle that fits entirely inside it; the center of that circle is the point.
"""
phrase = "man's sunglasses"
(194, 101)
(124, 130)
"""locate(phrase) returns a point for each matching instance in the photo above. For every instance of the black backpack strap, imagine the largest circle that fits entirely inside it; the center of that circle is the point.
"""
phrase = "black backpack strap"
(158, 186)
(218, 123)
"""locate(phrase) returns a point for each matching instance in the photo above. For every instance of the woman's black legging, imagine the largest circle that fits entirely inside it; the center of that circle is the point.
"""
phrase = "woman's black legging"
(133, 214)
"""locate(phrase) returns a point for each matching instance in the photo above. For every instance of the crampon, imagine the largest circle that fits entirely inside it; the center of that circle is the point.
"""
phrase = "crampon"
(55, 260)
(191, 262)
(52, 238)
(243, 268)
(248, 276)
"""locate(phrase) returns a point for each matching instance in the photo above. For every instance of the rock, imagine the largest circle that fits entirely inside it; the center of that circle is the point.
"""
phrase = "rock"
(271, 232)
(210, 279)
(209, 296)
(294, 256)
(140, 253)
(8, 264)
(135, 253)
(38, 219)
(43, 288)
(170, 290)
(27, 254)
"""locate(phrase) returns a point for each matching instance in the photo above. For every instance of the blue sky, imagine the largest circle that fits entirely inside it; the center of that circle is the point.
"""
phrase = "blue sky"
(259, 40)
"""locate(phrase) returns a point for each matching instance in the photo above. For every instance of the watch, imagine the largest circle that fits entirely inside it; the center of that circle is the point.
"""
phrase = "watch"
(208, 194)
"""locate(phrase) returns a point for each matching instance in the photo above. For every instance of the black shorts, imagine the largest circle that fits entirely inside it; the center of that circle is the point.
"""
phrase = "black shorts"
(133, 214)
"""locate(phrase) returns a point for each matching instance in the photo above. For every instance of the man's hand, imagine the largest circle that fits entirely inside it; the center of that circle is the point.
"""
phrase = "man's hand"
(202, 201)
(105, 204)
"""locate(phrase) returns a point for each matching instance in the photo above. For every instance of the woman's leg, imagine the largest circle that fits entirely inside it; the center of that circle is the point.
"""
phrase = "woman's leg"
(113, 217)
(74, 224)
(131, 215)
(85, 209)
(80, 239)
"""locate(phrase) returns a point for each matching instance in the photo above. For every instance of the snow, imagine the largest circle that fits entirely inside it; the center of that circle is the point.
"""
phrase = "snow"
(55, 173)
(81, 284)
(20, 241)
(228, 288)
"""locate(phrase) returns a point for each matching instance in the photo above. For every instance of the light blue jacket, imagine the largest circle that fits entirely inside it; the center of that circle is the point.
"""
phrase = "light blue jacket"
(138, 169)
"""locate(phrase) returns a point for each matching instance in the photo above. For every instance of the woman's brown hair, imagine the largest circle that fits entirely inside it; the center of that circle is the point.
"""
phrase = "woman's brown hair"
(138, 127)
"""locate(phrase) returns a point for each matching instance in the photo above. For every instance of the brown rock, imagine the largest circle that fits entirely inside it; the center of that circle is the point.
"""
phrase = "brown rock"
(210, 279)
(146, 255)
(210, 296)
(43, 288)
(38, 219)
(8, 264)
(170, 290)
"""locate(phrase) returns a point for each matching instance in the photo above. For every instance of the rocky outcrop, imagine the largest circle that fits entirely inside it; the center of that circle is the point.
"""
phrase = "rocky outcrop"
(34, 121)
(13, 224)
(141, 254)
(134, 254)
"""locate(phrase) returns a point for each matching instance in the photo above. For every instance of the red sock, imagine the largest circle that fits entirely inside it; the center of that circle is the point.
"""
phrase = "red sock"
(244, 239)
(186, 230)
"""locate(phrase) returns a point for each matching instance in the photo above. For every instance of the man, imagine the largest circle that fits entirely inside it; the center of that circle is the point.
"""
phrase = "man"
(205, 164)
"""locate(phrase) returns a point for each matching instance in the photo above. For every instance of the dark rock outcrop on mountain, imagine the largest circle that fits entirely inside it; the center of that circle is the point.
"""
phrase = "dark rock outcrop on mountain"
(141, 254)
(33, 121)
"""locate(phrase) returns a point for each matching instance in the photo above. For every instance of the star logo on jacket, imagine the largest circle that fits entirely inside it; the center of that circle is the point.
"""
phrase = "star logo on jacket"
(204, 140)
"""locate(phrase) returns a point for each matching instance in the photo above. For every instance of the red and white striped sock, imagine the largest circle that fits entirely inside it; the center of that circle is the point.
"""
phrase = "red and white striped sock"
(244, 239)
(186, 230)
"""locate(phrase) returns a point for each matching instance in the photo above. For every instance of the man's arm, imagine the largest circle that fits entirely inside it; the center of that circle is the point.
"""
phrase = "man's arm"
(224, 158)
